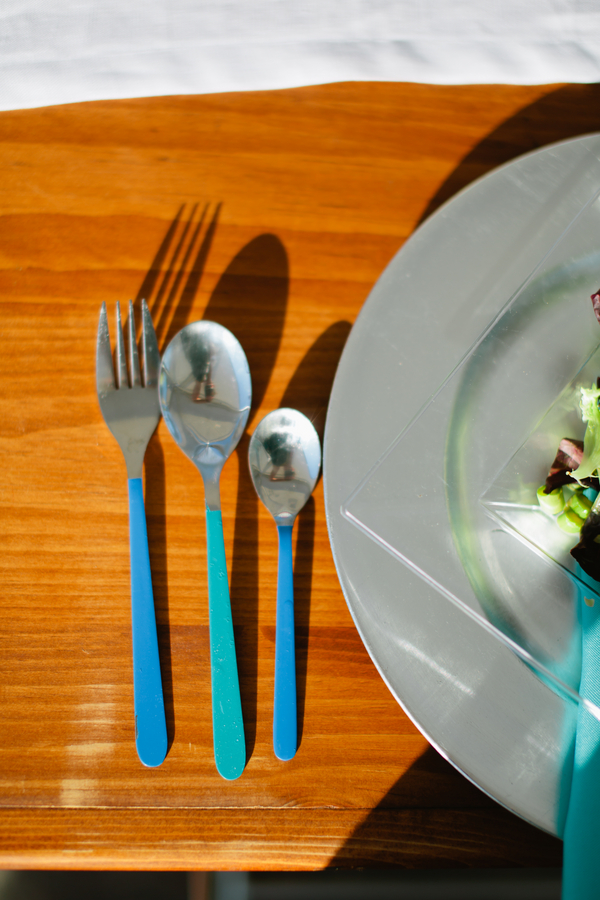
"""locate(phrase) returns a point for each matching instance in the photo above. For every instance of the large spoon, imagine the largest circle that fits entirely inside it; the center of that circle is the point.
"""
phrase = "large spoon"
(285, 458)
(205, 392)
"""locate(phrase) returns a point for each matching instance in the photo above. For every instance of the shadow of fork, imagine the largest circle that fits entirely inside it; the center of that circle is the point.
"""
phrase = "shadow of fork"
(169, 287)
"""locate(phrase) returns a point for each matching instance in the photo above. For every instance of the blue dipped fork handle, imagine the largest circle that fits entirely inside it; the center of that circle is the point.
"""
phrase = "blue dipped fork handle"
(150, 723)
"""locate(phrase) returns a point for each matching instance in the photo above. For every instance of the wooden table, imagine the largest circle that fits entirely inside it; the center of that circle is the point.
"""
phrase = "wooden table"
(272, 213)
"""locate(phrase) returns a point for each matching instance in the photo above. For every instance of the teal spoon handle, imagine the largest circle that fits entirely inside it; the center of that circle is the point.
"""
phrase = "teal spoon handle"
(284, 708)
(581, 860)
(228, 724)
(150, 722)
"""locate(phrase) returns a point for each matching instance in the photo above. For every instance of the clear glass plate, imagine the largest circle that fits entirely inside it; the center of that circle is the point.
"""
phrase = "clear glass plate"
(453, 498)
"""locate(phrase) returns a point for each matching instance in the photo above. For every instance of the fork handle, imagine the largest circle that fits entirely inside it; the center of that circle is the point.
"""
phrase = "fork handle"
(285, 726)
(228, 724)
(150, 722)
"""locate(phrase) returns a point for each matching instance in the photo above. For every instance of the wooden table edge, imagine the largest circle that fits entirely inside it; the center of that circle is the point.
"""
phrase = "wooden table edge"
(210, 839)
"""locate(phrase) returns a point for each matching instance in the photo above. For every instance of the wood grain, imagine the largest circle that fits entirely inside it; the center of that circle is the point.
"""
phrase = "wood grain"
(272, 213)
(218, 840)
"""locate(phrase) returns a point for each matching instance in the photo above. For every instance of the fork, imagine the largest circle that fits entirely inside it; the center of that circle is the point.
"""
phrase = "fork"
(131, 412)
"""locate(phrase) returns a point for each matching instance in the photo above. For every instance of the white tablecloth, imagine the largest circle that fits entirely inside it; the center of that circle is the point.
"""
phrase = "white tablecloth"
(59, 51)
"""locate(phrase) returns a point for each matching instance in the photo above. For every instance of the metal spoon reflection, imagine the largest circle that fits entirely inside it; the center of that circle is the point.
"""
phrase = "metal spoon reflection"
(205, 393)
(284, 459)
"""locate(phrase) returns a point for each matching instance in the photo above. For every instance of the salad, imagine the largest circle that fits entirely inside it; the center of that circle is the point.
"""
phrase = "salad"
(571, 490)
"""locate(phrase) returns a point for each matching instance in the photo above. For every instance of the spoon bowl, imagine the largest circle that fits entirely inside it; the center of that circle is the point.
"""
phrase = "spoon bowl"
(205, 393)
(284, 459)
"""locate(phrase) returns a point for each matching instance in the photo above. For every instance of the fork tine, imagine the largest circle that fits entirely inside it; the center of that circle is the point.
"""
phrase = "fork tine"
(105, 377)
(121, 361)
(150, 347)
(134, 360)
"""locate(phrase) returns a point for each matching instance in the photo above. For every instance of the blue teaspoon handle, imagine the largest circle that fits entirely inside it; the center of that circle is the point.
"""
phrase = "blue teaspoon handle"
(150, 722)
(228, 724)
(284, 711)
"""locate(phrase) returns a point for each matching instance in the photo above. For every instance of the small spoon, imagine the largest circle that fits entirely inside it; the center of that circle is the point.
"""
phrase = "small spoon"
(205, 392)
(285, 458)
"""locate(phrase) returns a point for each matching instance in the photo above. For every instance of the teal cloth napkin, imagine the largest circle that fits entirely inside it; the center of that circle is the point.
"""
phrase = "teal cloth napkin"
(581, 859)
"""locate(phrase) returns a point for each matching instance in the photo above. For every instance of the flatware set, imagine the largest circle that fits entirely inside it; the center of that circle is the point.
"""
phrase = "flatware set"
(204, 391)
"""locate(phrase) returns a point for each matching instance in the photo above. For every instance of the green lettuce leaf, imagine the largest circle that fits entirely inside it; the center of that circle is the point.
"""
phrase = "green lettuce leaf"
(591, 442)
